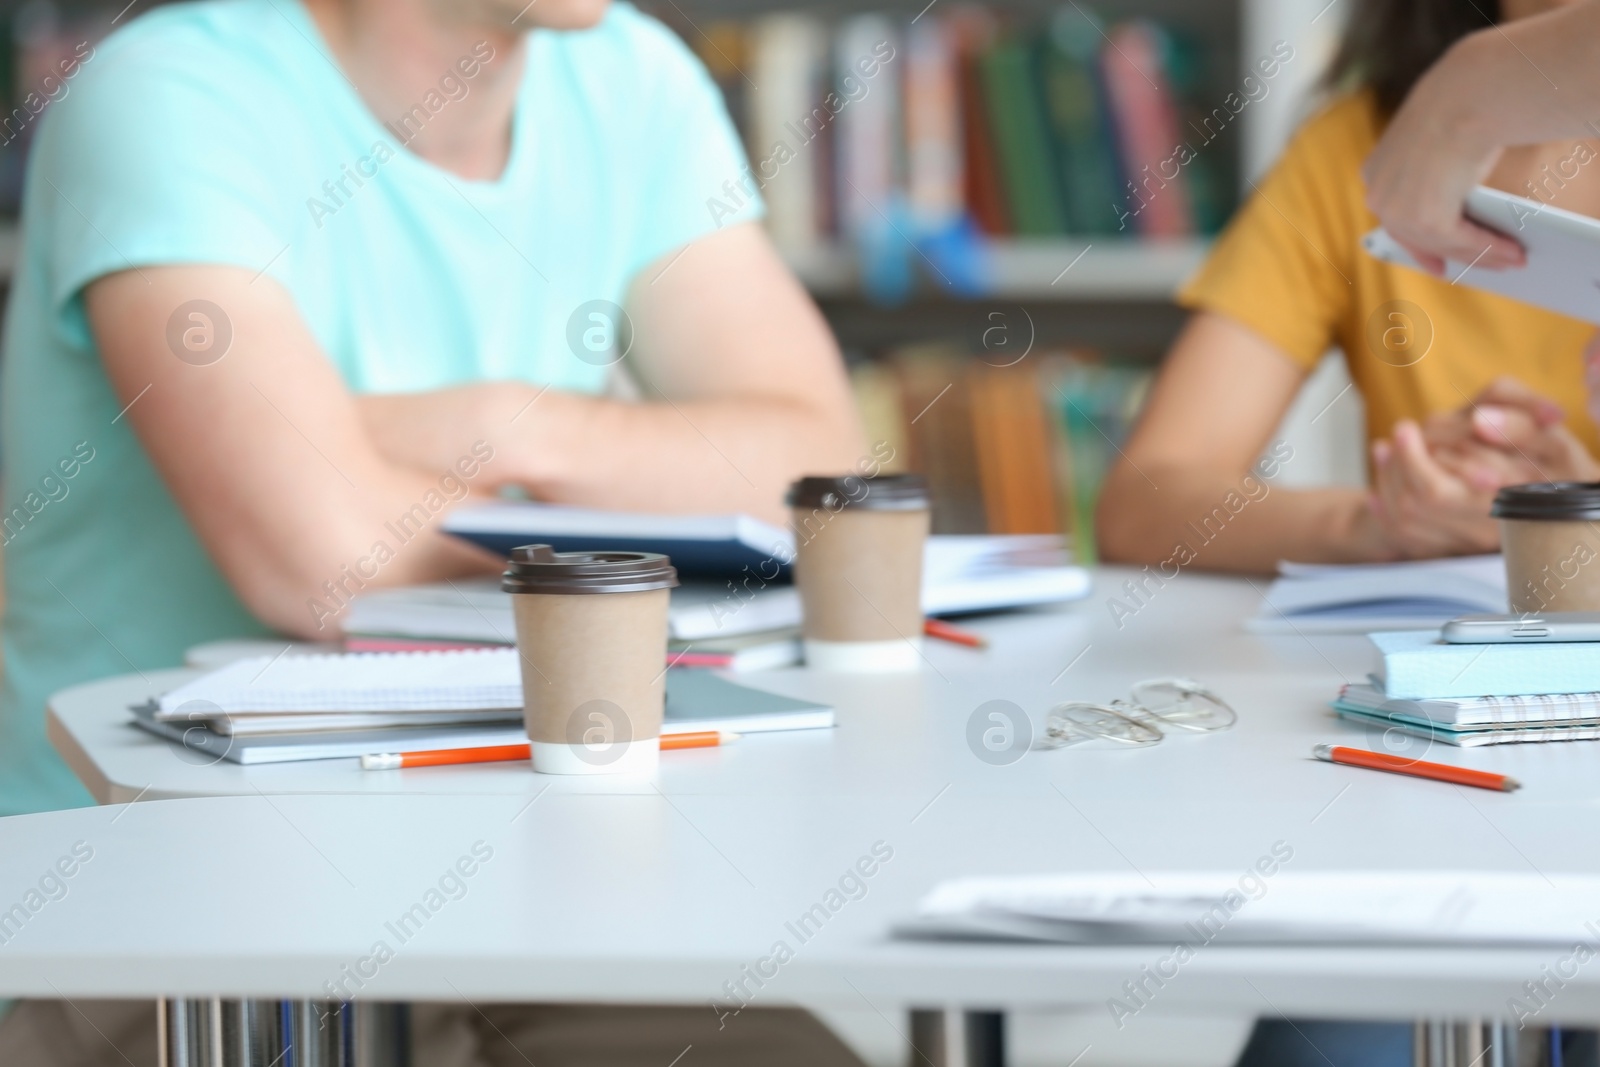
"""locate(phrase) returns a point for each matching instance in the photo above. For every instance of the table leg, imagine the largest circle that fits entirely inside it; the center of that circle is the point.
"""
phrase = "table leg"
(382, 1034)
(955, 1038)
(281, 1033)
(1477, 1043)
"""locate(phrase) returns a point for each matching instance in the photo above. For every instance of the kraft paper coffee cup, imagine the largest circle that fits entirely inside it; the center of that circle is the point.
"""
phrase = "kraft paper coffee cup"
(1550, 534)
(592, 641)
(858, 563)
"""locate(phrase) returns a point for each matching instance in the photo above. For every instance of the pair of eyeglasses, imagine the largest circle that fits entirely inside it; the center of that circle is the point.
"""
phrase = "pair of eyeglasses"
(1157, 705)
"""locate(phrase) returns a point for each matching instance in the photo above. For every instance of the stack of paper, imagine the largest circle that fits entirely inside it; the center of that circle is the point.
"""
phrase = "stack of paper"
(1360, 598)
(1485, 694)
(1345, 907)
(293, 707)
(1471, 722)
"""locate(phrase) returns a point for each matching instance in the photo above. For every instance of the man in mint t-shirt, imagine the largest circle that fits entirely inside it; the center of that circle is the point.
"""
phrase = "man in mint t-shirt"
(297, 277)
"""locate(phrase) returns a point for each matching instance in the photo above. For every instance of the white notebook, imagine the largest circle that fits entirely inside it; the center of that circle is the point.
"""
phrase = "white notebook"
(393, 682)
(267, 710)
(1360, 598)
(1538, 710)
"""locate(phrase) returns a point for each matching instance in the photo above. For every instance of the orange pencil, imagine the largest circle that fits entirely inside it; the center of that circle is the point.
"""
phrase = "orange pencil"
(945, 632)
(1443, 772)
(698, 739)
(441, 757)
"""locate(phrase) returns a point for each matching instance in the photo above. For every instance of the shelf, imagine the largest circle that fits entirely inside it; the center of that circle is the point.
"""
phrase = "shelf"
(1038, 269)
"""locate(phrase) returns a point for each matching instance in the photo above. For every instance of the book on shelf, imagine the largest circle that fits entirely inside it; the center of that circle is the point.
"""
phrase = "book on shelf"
(904, 138)
(43, 46)
(1080, 126)
(1151, 148)
(1015, 113)
(1007, 448)
(973, 32)
(789, 61)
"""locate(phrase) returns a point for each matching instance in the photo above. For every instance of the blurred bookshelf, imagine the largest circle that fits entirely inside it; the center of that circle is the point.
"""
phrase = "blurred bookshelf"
(1035, 269)
(993, 204)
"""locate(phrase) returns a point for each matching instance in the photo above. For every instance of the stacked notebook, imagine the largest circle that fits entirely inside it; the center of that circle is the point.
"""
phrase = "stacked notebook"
(298, 707)
(1472, 695)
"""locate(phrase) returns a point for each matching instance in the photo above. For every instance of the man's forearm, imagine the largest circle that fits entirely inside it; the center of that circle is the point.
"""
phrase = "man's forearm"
(682, 456)
(706, 455)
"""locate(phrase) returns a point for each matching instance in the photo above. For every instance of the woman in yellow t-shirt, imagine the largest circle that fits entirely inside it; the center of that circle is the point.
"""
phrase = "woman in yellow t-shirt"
(1464, 391)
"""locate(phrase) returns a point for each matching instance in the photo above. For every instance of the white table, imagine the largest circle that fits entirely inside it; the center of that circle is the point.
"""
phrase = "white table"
(734, 841)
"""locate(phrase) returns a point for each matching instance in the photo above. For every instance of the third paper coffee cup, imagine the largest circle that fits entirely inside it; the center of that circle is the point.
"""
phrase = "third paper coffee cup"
(592, 639)
(1548, 532)
(858, 562)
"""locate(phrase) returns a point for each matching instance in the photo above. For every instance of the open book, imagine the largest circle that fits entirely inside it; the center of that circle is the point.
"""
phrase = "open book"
(1360, 598)
(698, 544)
(960, 574)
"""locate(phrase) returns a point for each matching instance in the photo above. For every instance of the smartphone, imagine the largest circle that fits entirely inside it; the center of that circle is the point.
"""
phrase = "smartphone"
(1515, 629)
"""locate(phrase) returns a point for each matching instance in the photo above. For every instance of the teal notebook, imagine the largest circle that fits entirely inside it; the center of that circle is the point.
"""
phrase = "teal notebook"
(1469, 736)
(1417, 665)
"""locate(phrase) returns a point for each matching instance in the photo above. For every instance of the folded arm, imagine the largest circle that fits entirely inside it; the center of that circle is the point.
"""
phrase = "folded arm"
(291, 482)
(264, 449)
(744, 391)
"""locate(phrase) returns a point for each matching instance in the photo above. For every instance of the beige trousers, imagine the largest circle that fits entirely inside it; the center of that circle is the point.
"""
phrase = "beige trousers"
(119, 1033)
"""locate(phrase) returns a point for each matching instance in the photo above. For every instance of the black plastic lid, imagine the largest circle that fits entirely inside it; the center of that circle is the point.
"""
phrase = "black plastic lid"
(541, 569)
(1549, 502)
(886, 492)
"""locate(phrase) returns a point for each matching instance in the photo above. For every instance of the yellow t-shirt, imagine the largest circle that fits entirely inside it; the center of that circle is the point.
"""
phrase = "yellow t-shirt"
(1290, 267)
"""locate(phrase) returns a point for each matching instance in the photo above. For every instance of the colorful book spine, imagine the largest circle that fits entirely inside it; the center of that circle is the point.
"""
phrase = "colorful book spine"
(934, 161)
(1075, 109)
(1154, 152)
(788, 60)
(974, 31)
(1021, 139)
(869, 64)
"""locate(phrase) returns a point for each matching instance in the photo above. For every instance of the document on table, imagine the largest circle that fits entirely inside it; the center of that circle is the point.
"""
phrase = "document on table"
(1360, 598)
(961, 574)
(1343, 907)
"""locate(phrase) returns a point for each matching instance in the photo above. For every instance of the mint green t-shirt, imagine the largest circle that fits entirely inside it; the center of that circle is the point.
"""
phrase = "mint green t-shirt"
(223, 133)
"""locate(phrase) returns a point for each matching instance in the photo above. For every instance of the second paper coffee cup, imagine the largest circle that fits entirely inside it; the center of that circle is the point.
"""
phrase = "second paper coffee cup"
(858, 563)
(1552, 551)
(591, 638)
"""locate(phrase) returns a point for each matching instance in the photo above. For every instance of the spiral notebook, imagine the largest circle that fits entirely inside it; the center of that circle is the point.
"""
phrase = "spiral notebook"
(1471, 722)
